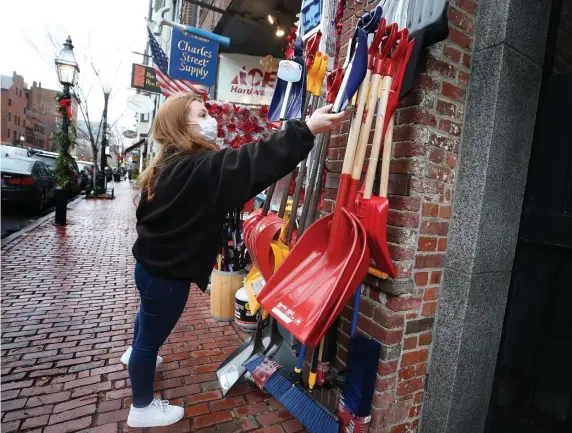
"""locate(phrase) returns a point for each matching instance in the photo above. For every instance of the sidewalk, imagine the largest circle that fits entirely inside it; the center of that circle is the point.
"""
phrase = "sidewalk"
(68, 305)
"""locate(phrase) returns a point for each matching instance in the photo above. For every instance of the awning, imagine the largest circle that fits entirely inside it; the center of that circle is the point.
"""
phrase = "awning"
(136, 145)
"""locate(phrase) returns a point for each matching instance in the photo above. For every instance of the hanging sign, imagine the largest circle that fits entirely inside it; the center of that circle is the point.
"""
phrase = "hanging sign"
(192, 59)
(311, 18)
(242, 79)
(143, 77)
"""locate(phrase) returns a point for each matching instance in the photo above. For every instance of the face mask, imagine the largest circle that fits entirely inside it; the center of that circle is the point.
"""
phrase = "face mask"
(209, 128)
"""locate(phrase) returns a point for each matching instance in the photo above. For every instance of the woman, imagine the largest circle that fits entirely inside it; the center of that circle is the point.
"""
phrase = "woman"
(185, 193)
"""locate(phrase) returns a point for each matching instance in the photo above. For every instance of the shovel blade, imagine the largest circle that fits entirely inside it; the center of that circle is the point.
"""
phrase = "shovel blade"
(354, 282)
(307, 284)
(261, 238)
(373, 213)
(232, 368)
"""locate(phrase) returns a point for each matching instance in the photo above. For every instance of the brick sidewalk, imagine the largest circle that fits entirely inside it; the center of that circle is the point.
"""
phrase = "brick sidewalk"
(68, 305)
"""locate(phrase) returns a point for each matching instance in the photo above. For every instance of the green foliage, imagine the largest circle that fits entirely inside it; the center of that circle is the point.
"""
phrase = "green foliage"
(63, 143)
(63, 171)
(135, 173)
(60, 140)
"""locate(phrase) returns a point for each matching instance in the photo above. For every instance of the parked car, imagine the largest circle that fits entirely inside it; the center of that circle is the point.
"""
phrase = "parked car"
(9, 149)
(26, 182)
(49, 158)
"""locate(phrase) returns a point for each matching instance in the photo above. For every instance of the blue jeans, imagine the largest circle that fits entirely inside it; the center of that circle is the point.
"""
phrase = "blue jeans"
(162, 303)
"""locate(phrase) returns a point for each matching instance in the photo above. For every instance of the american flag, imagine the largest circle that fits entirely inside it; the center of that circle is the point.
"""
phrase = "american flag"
(167, 84)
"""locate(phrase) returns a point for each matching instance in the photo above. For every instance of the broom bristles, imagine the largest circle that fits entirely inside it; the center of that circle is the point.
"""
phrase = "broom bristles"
(311, 414)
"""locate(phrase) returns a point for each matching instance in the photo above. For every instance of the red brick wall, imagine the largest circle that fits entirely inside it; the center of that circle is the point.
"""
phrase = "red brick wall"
(17, 94)
(423, 168)
(207, 19)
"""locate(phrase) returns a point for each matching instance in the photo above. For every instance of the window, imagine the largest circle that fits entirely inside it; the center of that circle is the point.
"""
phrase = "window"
(27, 95)
(24, 123)
(9, 102)
(145, 117)
(159, 4)
(8, 132)
(9, 116)
(25, 110)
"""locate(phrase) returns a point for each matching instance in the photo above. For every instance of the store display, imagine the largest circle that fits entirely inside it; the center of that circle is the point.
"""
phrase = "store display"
(307, 268)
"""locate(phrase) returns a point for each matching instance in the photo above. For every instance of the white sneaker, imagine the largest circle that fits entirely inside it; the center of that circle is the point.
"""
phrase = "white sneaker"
(125, 357)
(158, 413)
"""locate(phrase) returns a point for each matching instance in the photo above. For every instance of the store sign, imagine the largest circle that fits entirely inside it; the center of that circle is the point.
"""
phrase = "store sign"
(242, 79)
(143, 77)
(192, 59)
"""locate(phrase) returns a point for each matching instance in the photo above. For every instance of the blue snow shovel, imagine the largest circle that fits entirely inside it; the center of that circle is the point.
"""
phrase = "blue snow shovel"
(294, 93)
(354, 74)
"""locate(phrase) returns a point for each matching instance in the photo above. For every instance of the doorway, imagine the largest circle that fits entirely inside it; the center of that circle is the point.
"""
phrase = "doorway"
(532, 391)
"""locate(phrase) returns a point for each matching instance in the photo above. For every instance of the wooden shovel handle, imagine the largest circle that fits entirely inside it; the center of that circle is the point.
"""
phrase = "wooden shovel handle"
(366, 126)
(387, 142)
(384, 92)
(356, 123)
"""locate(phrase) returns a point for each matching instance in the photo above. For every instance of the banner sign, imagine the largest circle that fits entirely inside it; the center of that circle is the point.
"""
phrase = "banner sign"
(192, 59)
(143, 77)
(242, 79)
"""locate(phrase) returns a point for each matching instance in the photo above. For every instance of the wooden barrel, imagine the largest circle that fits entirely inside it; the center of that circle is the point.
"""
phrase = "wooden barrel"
(224, 286)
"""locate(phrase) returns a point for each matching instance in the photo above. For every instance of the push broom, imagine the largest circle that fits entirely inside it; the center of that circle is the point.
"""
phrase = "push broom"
(361, 374)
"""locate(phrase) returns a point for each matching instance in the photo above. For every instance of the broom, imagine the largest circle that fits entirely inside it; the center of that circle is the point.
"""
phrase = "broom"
(311, 414)
(361, 373)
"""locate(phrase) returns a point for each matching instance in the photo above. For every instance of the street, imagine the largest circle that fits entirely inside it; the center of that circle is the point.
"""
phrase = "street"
(68, 307)
(13, 221)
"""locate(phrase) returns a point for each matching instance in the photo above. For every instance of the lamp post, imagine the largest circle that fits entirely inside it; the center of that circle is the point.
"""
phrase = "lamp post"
(68, 70)
(22, 139)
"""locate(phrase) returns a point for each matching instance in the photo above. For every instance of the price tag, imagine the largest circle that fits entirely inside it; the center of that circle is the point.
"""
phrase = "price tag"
(257, 285)
(289, 71)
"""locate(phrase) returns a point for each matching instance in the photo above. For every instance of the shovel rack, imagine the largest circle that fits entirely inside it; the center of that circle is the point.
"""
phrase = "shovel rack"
(325, 260)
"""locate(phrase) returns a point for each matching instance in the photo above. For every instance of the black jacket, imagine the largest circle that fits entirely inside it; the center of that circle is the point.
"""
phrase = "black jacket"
(179, 229)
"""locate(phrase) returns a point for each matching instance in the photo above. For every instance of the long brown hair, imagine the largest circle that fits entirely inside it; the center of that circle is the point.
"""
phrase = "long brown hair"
(170, 132)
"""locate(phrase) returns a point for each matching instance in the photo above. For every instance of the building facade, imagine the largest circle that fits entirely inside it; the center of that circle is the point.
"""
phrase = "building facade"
(467, 345)
(29, 114)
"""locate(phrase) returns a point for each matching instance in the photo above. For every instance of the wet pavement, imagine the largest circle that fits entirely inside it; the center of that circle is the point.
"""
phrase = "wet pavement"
(68, 305)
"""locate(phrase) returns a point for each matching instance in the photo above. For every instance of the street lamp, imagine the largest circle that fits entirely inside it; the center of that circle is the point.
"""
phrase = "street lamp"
(22, 139)
(68, 70)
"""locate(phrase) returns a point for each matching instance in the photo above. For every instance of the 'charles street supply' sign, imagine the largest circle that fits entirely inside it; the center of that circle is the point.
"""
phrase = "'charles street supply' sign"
(192, 59)
(242, 79)
(144, 78)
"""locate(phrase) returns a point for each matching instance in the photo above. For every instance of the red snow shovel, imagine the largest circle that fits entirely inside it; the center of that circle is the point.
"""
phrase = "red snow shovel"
(331, 255)
(373, 210)
(378, 60)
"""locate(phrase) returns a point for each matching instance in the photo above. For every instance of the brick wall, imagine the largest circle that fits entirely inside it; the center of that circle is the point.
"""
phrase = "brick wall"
(14, 102)
(400, 314)
(207, 19)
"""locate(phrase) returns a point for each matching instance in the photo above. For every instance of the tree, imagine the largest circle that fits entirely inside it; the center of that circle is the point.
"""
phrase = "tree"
(91, 129)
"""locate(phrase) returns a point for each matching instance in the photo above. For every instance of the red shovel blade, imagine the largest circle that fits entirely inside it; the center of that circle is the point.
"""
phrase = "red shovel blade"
(309, 282)
(252, 219)
(261, 236)
(373, 213)
(353, 283)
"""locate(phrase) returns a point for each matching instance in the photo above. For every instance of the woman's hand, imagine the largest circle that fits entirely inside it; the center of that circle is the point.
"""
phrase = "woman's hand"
(322, 120)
